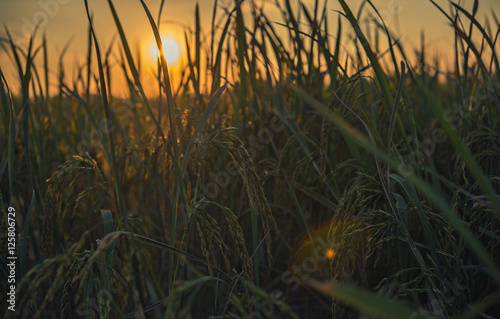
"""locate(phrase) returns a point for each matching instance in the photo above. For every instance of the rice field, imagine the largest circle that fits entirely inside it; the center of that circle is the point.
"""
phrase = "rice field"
(288, 172)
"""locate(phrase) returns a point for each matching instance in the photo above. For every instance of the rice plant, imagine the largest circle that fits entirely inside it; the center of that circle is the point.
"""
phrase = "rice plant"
(288, 172)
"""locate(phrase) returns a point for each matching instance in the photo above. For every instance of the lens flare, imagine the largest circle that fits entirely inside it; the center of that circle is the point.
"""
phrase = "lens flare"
(330, 253)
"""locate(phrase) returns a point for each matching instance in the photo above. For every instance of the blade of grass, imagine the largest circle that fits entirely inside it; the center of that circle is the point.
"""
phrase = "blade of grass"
(197, 56)
(382, 79)
(110, 238)
(176, 161)
(23, 251)
(393, 115)
(367, 302)
(432, 194)
(11, 143)
(462, 150)
(170, 101)
(217, 65)
(107, 117)
(133, 69)
(27, 114)
(466, 39)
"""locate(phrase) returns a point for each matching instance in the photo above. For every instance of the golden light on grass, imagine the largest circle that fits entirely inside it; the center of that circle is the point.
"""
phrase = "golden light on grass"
(270, 107)
(171, 49)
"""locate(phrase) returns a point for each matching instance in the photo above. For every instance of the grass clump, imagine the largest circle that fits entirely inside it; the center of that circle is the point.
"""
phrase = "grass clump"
(290, 172)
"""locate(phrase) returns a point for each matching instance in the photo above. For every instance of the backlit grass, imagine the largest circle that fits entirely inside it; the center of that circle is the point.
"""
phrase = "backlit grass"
(290, 172)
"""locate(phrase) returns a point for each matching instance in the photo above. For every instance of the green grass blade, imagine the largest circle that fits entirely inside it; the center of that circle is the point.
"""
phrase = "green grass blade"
(381, 77)
(394, 114)
(367, 302)
(316, 196)
(217, 64)
(396, 107)
(14, 50)
(23, 251)
(427, 190)
(463, 151)
(25, 88)
(133, 68)
(107, 118)
(197, 56)
(89, 65)
(11, 142)
(424, 222)
(107, 219)
(467, 39)
(110, 238)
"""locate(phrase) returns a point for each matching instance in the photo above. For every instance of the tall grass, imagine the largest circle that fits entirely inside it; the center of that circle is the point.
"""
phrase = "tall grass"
(284, 175)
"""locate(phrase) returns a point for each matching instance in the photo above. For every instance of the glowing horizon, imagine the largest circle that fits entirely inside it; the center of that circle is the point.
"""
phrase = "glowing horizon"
(64, 21)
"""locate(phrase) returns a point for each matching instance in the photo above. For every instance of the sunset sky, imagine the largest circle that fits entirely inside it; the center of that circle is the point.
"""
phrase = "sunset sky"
(63, 20)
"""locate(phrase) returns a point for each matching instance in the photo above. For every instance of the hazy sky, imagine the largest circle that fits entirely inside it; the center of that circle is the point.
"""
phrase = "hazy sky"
(63, 20)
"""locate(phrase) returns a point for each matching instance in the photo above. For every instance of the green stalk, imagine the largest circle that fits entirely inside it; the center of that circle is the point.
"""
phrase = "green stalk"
(381, 77)
(432, 194)
(107, 118)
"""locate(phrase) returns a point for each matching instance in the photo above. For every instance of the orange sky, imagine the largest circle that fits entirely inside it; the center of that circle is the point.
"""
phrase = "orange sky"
(63, 20)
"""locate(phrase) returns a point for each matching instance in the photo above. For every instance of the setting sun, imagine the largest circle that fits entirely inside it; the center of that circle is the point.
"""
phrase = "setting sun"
(171, 49)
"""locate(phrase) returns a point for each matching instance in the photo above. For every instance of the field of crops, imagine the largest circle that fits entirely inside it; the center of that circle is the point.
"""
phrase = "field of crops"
(288, 172)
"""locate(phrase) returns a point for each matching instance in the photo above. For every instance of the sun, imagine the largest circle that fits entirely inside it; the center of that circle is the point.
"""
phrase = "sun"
(171, 49)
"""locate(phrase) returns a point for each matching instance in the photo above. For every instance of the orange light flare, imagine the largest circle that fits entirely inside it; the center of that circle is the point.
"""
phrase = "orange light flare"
(330, 253)
(312, 255)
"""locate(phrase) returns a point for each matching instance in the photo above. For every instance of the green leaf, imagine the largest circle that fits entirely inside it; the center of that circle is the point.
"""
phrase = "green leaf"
(367, 302)
(24, 243)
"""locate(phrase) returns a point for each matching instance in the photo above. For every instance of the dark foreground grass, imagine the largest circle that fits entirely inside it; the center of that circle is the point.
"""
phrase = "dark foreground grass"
(282, 177)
